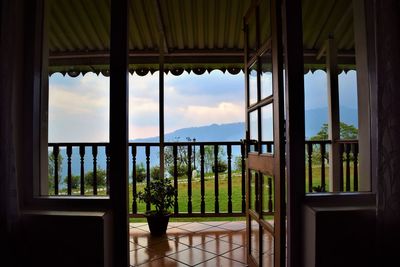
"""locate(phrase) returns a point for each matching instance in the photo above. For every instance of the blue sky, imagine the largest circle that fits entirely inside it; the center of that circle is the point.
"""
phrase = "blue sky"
(78, 107)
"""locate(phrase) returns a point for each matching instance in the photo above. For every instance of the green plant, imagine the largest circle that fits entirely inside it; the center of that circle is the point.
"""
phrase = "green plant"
(101, 177)
(318, 188)
(160, 193)
(222, 166)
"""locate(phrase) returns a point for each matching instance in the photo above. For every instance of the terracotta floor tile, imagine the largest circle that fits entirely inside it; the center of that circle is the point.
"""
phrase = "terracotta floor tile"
(239, 254)
(144, 227)
(141, 256)
(221, 262)
(175, 232)
(134, 246)
(176, 224)
(163, 262)
(194, 227)
(192, 256)
(216, 223)
(166, 247)
(217, 246)
(214, 232)
(147, 240)
(236, 237)
(234, 226)
(137, 230)
(193, 239)
(190, 244)
(137, 224)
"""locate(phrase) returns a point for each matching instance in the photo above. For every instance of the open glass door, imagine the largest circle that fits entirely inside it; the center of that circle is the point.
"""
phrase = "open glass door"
(264, 135)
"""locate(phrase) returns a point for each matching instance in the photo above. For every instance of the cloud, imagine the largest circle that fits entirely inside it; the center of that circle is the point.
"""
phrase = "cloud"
(78, 108)
(197, 115)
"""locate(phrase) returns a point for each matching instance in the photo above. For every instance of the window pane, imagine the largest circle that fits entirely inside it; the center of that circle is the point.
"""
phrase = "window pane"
(253, 84)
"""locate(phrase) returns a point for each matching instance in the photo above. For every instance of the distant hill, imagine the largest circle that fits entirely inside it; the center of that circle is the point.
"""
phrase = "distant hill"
(213, 132)
(315, 118)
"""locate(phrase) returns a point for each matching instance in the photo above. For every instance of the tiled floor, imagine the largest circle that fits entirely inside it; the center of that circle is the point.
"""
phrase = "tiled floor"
(190, 244)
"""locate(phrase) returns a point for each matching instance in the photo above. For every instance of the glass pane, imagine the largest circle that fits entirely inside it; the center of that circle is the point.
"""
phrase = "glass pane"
(267, 128)
(255, 240)
(253, 84)
(267, 197)
(253, 190)
(268, 249)
(254, 125)
(266, 75)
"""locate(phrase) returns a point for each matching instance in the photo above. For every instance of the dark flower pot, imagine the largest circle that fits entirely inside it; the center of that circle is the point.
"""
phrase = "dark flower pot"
(158, 223)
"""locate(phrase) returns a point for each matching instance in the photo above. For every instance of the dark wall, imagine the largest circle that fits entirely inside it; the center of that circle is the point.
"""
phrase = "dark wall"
(65, 239)
(11, 88)
(388, 123)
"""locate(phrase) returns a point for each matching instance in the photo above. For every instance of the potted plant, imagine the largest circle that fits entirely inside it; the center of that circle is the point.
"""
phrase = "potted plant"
(160, 194)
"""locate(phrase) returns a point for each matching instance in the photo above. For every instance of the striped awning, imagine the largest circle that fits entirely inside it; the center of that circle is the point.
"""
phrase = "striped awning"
(195, 35)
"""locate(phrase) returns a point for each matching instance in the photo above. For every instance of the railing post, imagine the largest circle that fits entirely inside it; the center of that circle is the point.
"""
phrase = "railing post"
(148, 207)
(134, 188)
(229, 154)
(243, 162)
(69, 177)
(354, 149)
(341, 179)
(175, 155)
(56, 152)
(310, 174)
(323, 151)
(94, 152)
(347, 151)
(189, 176)
(203, 204)
(108, 169)
(82, 155)
(216, 184)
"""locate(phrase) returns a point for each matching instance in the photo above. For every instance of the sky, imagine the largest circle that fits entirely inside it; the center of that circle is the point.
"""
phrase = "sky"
(79, 107)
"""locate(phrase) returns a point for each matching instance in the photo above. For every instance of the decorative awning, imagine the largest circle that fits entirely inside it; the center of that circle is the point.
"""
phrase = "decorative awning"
(196, 35)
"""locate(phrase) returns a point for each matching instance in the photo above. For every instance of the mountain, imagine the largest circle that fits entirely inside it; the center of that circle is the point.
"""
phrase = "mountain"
(314, 118)
(213, 132)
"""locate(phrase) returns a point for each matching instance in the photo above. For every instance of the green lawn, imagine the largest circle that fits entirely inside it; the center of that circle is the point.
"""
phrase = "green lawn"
(316, 177)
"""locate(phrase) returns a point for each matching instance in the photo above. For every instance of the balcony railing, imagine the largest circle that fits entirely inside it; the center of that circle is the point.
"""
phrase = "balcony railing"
(209, 176)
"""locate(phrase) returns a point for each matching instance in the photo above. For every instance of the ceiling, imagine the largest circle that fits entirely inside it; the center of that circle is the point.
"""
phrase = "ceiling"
(195, 35)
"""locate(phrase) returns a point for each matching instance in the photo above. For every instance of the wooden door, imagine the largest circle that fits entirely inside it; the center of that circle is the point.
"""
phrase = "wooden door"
(265, 170)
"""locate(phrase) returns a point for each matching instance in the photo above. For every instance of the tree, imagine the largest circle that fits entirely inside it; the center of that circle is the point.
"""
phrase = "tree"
(182, 159)
(75, 181)
(209, 157)
(140, 172)
(346, 132)
(238, 163)
(101, 178)
(155, 172)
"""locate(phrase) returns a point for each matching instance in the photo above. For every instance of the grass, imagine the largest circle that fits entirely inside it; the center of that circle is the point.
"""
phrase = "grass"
(316, 174)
